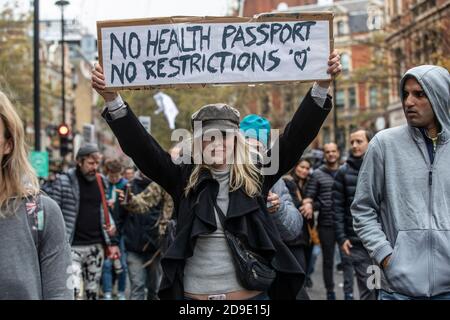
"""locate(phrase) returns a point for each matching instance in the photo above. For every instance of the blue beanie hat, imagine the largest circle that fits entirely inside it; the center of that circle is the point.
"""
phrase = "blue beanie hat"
(257, 127)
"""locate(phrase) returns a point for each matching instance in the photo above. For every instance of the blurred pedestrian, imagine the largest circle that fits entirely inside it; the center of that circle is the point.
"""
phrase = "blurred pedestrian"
(343, 194)
(80, 193)
(129, 172)
(296, 182)
(147, 210)
(112, 269)
(34, 252)
(318, 194)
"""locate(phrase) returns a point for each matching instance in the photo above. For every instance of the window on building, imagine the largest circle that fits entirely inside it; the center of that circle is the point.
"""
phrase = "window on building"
(265, 105)
(289, 99)
(352, 97)
(399, 63)
(398, 6)
(340, 138)
(373, 97)
(341, 28)
(345, 62)
(374, 22)
(326, 135)
(340, 99)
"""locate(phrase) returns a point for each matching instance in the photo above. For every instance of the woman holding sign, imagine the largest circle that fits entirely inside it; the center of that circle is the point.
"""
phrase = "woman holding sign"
(226, 245)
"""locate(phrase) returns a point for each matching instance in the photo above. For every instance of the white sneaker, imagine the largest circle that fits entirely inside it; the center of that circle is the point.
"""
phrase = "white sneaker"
(107, 296)
(121, 296)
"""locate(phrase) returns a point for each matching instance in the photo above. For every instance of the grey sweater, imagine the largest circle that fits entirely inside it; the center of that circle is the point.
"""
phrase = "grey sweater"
(27, 274)
(211, 270)
(402, 200)
(288, 219)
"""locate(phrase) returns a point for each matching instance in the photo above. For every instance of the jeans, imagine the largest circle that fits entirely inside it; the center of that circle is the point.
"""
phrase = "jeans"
(107, 275)
(347, 268)
(312, 261)
(360, 261)
(384, 295)
(144, 279)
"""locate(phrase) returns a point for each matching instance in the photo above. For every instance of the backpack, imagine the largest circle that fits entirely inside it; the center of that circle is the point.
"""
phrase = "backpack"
(35, 216)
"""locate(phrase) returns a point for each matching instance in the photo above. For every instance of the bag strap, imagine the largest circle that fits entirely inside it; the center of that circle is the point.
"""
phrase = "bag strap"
(104, 204)
(35, 216)
(220, 214)
(231, 238)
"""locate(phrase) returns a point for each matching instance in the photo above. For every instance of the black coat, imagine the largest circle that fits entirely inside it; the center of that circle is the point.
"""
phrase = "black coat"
(247, 217)
(344, 189)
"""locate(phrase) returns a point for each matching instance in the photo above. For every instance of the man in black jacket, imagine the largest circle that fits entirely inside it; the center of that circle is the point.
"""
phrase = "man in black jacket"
(78, 195)
(343, 193)
(319, 198)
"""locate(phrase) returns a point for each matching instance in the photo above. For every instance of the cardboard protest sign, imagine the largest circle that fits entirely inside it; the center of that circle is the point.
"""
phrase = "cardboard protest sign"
(180, 51)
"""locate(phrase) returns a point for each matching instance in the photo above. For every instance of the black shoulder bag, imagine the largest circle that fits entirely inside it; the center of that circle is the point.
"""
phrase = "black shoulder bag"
(253, 271)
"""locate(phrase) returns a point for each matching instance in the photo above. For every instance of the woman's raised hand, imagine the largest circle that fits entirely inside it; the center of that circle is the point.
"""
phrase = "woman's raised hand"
(98, 83)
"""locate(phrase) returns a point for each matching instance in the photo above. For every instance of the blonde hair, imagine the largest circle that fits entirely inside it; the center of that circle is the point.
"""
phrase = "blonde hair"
(17, 177)
(243, 173)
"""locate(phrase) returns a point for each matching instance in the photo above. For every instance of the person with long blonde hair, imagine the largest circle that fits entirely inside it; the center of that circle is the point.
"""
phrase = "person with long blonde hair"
(34, 252)
(220, 194)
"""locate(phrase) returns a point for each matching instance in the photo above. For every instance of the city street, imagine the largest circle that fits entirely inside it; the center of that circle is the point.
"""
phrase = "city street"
(318, 292)
(195, 150)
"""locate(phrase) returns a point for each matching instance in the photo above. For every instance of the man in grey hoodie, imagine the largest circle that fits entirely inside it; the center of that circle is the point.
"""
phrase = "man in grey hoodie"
(401, 209)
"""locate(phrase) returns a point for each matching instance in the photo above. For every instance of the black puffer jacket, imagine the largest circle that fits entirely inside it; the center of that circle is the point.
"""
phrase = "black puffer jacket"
(65, 190)
(320, 189)
(343, 193)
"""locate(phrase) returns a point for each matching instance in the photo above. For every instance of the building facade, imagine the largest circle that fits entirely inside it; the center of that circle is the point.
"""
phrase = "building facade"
(80, 53)
(418, 32)
(360, 92)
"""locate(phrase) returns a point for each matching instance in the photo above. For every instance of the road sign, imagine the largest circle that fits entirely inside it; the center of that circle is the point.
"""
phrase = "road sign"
(89, 133)
(39, 161)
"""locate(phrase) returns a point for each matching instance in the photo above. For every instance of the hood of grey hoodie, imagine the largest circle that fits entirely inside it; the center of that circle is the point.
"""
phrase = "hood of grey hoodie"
(435, 82)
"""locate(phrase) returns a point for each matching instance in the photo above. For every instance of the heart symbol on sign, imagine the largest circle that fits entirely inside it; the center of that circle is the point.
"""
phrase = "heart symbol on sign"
(300, 58)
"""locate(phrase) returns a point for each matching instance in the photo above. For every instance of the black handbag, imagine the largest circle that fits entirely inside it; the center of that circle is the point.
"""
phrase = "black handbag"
(253, 271)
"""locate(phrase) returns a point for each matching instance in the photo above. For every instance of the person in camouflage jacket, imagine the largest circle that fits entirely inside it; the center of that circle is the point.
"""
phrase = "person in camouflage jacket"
(152, 195)
(146, 211)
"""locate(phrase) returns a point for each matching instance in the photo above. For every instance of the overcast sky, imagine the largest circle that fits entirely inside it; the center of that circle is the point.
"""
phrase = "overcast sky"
(89, 11)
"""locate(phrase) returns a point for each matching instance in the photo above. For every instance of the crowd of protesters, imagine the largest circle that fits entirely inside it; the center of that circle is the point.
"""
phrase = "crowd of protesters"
(176, 230)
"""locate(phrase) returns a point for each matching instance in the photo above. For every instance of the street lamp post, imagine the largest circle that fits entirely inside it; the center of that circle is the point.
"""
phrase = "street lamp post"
(62, 3)
(36, 80)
